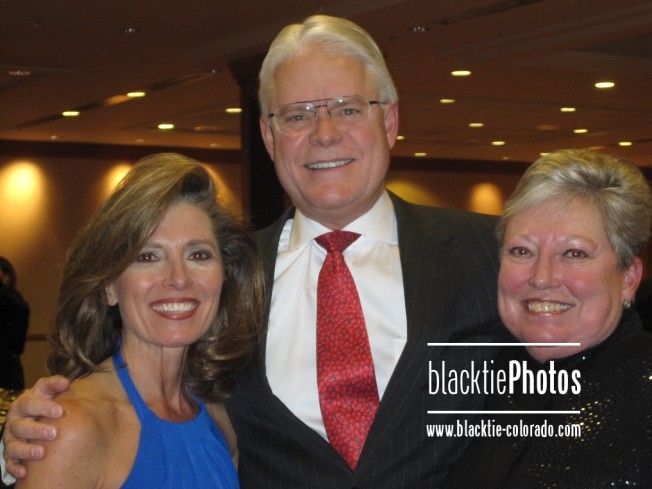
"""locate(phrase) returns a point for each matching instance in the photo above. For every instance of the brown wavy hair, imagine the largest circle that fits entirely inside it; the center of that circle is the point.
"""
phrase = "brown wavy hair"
(87, 329)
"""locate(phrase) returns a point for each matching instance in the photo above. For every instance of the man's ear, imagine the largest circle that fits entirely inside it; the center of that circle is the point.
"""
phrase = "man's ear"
(266, 132)
(391, 123)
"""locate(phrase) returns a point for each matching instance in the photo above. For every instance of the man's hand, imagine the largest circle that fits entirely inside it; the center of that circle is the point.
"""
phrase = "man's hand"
(22, 427)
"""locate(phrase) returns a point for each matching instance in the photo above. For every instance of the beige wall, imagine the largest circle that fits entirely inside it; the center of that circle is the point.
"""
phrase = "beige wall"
(478, 192)
(45, 200)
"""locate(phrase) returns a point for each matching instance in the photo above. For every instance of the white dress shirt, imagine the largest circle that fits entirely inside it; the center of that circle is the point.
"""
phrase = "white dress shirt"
(291, 339)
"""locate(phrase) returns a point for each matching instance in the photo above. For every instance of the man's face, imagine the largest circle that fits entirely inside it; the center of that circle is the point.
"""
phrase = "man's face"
(332, 172)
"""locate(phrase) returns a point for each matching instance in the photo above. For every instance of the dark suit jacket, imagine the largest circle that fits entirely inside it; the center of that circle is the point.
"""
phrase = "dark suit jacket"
(449, 264)
(14, 321)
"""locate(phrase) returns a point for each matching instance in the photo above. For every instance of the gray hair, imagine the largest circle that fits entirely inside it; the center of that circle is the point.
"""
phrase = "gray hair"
(616, 187)
(334, 35)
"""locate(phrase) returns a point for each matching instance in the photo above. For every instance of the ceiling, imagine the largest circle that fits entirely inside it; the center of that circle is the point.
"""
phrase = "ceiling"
(528, 58)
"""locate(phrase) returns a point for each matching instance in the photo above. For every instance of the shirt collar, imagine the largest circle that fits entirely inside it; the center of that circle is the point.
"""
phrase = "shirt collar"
(378, 223)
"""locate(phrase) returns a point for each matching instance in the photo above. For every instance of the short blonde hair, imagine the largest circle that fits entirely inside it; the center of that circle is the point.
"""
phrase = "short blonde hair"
(616, 187)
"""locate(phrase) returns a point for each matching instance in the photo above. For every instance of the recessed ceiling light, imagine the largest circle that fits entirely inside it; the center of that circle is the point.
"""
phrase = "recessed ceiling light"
(625, 143)
(165, 126)
(461, 73)
(567, 109)
(419, 29)
(136, 94)
(476, 124)
(420, 154)
(605, 84)
(233, 110)
(206, 128)
(400, 138)
(446, 100)
(18, 72)
(498, 143)
(580, 131)
(70, 113)
(547, 127)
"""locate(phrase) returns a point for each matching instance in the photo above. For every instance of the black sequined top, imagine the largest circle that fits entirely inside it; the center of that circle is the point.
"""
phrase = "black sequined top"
(615, 415)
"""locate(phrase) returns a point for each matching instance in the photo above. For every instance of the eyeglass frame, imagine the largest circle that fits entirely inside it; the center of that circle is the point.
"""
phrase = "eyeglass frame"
(274, 115)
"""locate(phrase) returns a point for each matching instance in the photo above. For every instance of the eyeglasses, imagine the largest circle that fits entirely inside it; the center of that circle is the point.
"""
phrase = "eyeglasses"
(300, 116)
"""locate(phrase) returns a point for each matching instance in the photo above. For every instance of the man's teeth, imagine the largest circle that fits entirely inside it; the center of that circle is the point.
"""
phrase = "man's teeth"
(547, 307)
(328, 164)
(175, 307)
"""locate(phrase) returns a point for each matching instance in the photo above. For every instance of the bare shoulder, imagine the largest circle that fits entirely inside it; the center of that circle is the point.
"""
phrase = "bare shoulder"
(96, 420)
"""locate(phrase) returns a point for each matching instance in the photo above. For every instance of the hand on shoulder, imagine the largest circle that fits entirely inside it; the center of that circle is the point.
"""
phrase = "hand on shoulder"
(96, 443)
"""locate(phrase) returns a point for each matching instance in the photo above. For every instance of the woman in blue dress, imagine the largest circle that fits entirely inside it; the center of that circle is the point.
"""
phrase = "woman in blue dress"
(160, 303)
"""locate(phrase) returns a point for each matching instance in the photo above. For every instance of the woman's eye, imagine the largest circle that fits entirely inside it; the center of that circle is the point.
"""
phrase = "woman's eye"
(146, 257)
(201, 255)
(575, 253)
(519, 251)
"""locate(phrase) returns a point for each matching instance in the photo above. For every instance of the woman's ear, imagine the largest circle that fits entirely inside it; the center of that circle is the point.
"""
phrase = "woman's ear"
(632, 279)
(111, 296)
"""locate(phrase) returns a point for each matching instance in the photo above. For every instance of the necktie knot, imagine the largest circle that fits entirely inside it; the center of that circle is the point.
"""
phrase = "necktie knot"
(336, 240)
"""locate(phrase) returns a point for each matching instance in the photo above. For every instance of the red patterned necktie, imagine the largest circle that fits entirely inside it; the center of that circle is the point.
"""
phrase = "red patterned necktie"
(348, 394)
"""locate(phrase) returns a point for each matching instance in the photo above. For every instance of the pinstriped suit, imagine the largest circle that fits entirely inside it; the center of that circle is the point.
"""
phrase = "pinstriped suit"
(449, 264)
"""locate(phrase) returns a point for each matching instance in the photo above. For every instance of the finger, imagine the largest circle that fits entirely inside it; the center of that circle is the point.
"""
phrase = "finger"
(16, 469)
(27, 429)
(48, 387)
(29, 406)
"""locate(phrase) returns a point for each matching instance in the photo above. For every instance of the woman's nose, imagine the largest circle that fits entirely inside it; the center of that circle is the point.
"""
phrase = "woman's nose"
(178, 275)
(543, 274)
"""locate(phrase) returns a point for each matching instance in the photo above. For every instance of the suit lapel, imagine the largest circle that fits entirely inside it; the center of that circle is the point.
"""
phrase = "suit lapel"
(428, 280)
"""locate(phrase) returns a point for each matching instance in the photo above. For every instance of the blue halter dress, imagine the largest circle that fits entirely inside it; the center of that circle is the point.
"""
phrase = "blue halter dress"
(176, 455)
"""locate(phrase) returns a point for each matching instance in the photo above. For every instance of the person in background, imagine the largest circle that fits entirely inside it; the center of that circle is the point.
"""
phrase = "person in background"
(570, 239)
(159, 304)
(420, 274)
(14, 322)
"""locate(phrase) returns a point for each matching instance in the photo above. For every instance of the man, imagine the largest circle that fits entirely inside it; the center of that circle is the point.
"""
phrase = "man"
(14, 322)
(424, 275)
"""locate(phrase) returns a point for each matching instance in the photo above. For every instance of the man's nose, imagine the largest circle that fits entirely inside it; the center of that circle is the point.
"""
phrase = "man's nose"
(325, 130)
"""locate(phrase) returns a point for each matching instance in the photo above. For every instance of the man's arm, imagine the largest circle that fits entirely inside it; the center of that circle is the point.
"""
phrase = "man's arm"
(22, 427)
